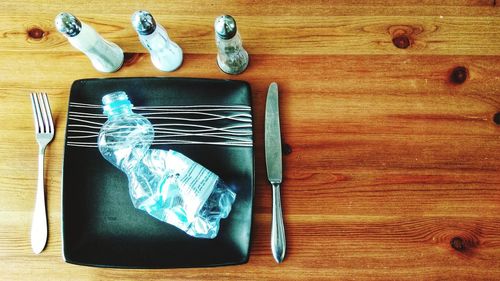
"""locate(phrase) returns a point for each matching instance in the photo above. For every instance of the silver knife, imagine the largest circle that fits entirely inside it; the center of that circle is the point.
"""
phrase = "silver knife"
(275, 170)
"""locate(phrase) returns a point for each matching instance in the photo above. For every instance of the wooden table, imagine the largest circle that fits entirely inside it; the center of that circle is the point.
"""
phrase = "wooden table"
(391, 121)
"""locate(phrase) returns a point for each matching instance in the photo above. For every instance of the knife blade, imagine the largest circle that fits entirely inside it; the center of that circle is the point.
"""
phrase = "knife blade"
(273, 151)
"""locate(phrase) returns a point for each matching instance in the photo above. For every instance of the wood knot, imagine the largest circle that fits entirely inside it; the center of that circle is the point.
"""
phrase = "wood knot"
(462, 245)
(131, 58)
(458, 75)
(286, 149)
(36, 33)
(458, 244)
(496, 118)
(401, 42)
(403, 36)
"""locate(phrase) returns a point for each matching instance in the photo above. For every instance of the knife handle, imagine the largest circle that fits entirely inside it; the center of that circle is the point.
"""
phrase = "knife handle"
(278, 240)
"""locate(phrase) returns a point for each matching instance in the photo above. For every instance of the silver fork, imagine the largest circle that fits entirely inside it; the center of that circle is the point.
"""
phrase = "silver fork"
(44, 130)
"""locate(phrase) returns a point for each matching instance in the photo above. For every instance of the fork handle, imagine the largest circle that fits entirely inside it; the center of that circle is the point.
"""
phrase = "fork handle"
(39, 224)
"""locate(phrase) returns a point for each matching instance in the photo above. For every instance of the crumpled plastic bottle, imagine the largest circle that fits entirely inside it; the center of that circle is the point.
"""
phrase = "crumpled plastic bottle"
(165, 183)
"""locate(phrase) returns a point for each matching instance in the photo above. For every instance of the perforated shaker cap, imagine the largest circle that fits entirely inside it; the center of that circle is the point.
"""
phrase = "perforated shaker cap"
(68, 24)
(225, 27)
(143, 22)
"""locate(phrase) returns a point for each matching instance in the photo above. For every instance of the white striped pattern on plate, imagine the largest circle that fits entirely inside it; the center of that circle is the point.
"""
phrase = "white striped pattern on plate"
(226, 125)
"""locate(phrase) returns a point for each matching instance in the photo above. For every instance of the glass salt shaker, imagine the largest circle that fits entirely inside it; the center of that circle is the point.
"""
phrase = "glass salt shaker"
(166, 55)
(232, 58)
(104, 55)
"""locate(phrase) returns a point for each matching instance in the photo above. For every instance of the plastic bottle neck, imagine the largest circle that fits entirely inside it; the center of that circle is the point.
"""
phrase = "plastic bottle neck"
(116, 104)
(119, 112)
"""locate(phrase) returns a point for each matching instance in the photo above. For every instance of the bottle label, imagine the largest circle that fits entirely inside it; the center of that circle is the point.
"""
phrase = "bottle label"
(196, 182)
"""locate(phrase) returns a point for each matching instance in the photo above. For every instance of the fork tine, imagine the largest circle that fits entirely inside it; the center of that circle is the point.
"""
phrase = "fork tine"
(49, 113)
(37, 113)
(39, 107)
(44, 113)
(35, 118)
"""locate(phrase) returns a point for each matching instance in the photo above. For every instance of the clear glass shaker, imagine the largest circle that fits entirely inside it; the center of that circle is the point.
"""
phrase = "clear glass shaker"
(166, 55)
(232, 58)
(104, 55)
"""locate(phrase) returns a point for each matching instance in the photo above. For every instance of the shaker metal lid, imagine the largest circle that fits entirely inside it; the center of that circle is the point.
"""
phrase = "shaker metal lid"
(68, 24)
(143, 22)
(225, 27)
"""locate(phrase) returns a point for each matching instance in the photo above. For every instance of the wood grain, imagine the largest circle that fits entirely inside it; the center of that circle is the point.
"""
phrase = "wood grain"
(392, 147)
(318, 35)
(259, 8)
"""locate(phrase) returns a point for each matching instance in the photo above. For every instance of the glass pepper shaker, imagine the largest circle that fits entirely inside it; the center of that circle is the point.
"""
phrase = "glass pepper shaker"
(232, 58)
(166, 55)
(104, 55)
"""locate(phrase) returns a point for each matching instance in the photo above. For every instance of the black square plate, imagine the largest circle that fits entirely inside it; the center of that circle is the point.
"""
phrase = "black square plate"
(101, 227)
